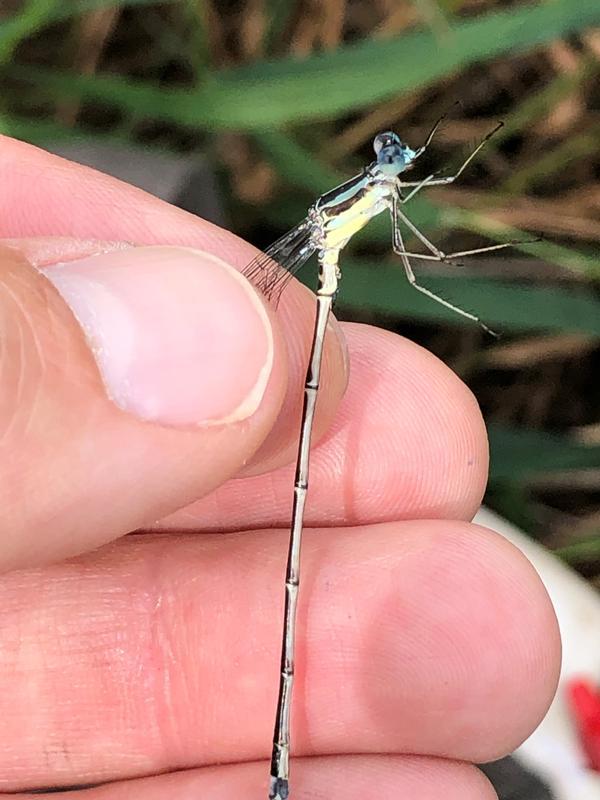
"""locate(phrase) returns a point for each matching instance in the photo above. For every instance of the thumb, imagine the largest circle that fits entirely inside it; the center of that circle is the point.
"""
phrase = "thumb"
(132, 382)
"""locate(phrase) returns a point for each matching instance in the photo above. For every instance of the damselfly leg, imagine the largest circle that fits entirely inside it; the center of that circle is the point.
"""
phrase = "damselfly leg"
(400, 250)
(436, 254)
(432, 180)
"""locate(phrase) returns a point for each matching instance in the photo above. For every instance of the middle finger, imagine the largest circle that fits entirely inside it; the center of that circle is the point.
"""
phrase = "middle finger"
(161, 652)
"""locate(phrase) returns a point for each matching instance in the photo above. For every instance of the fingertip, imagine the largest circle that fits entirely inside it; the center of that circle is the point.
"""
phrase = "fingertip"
(178, 336)
(500, 618)
(527, 637)
(409, 426)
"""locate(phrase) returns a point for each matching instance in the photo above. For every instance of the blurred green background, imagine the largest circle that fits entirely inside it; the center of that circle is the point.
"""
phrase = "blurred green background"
(284, 97)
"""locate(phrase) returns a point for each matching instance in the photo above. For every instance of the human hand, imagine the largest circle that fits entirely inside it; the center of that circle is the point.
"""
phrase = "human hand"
(424, 642)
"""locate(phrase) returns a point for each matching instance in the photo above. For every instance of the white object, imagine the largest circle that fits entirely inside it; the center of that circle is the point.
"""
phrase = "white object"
(553, 751)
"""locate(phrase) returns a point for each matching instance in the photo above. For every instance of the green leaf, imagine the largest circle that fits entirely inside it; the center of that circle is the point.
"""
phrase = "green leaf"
(520, 453)
(34, 15)
(513, 502)
(297, 166)
(42, 131)
(278, 14)
(74, 8)
(272, 94)
(568, 257)
(578, 552)
(381, 287)
(38, 14)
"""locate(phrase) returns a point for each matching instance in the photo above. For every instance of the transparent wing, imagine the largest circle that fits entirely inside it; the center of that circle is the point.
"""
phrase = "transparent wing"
(271, 271)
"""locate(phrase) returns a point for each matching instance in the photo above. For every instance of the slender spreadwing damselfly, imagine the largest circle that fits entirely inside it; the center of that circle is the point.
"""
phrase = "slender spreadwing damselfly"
(327, 228)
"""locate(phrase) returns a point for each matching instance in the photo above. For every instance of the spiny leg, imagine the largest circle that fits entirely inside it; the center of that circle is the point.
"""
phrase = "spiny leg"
(399, 249)
(419, 152)
(440, 255)
(418, 186)
(446, 257)
(431, 180)
(432, 132)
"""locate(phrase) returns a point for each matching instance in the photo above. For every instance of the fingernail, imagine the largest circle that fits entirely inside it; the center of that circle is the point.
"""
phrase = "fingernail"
(179, 336)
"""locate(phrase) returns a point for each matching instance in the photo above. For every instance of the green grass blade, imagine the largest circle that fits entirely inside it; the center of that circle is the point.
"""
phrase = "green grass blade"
(278, 14)
(567, 257)
(38, 14)
(34, 15)
(42, 131)
(271, 94)
(74, 8)
(580, 552)
(538, 105)
(508, 306)
(517, 454)
(295, 165)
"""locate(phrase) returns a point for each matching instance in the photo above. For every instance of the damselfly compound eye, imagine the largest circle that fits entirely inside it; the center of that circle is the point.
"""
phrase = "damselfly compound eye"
(392, 154)
(386, 139)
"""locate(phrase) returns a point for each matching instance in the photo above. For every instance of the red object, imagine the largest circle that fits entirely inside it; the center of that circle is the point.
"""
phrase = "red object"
(584, 699)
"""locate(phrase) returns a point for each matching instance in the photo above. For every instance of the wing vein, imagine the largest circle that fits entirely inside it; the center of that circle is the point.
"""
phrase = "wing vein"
(272, 270)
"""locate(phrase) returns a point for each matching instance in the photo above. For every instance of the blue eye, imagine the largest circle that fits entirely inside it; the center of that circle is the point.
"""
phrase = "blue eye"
(385, 140)
(392, 153)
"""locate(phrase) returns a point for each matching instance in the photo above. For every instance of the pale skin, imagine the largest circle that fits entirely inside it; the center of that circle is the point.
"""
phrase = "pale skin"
(424, 642)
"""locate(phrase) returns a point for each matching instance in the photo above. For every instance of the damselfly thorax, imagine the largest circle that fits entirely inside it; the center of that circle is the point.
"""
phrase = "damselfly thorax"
(341, 213)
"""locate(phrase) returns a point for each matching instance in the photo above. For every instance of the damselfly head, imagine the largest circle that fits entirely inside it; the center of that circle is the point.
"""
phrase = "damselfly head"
(392, 154)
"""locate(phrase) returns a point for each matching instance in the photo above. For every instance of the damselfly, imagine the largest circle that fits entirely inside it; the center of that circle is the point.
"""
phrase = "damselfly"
(327, 228)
